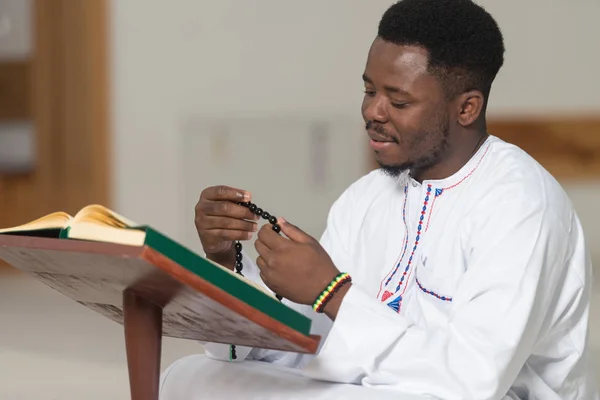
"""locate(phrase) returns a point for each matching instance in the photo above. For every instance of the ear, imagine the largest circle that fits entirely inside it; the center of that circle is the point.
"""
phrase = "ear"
(470, 106)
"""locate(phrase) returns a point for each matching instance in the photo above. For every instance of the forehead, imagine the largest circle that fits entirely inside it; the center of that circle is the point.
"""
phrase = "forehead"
(404, 66)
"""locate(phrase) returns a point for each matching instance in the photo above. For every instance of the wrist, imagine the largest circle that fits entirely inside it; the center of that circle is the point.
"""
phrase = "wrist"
(332, 308)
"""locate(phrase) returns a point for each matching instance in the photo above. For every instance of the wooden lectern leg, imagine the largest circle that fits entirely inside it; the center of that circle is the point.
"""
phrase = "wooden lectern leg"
(142, 322)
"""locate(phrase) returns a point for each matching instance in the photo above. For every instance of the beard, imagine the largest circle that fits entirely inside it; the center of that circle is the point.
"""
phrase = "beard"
(435, 138)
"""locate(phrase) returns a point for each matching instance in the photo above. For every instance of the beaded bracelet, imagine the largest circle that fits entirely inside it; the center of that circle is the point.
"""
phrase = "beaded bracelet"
(330, 290)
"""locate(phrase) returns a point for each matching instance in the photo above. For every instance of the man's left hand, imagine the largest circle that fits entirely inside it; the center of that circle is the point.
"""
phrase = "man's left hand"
(296, 267)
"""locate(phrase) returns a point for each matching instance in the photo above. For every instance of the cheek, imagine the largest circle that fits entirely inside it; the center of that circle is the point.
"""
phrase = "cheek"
(417, 118)
(417, 128)
(407, 123)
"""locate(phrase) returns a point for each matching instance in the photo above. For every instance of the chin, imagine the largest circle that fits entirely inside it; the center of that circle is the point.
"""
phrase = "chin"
(393, 170)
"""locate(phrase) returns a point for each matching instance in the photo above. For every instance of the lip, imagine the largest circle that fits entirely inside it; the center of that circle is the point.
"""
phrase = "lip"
(380, 146)
(379, 138)
(378, 142)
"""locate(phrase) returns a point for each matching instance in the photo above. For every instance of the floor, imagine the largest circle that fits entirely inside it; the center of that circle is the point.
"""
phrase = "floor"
(54, 349)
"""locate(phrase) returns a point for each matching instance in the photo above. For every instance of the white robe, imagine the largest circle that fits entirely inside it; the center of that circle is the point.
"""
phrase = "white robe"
(476, 286)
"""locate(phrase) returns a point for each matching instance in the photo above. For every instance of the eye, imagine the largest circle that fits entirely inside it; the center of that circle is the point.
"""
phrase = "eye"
(369, 92)
(399, 105)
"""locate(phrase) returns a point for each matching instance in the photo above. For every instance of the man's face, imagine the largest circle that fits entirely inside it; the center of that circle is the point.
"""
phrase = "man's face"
(404, 108)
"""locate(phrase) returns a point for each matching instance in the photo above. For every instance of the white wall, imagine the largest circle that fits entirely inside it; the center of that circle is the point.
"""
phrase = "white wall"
(552, 56)
(551, 67)
(179, 66)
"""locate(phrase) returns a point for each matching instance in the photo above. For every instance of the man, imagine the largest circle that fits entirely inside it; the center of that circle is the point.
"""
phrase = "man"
(470, 277)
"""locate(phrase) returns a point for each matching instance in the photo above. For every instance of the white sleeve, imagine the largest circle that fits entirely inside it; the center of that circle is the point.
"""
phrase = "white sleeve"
(498, 313)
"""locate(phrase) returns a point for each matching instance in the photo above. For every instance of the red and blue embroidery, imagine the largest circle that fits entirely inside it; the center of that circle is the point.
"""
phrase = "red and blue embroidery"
(432, 293)
(396, 303)
(387, 294)
(419, 231)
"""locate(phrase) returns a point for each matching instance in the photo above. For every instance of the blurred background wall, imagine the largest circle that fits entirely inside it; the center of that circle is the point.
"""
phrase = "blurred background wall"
(265, 72)
(156, 100)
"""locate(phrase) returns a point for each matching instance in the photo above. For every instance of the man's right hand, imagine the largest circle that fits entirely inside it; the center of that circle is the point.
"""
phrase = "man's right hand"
(220, 221)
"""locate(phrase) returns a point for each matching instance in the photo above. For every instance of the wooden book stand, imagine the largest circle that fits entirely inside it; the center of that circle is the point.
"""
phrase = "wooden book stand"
(151, 296)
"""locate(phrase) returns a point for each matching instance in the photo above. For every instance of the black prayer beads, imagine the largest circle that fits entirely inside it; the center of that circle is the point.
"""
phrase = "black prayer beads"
(238, 246)
(239, 266)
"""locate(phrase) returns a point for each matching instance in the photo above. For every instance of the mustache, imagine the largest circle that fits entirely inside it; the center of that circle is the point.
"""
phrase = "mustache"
(380, 130)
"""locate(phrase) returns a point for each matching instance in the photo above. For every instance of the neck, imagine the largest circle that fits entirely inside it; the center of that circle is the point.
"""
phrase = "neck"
(456, 158)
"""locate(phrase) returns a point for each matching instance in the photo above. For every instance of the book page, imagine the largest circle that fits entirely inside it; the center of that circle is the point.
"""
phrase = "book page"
(100, 214)
(56, 220)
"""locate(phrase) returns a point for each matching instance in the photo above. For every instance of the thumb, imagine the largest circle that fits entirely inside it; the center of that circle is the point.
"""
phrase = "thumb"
(292, 231)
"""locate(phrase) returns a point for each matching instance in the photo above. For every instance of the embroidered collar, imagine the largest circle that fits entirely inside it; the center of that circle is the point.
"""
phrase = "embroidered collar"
(460, 175)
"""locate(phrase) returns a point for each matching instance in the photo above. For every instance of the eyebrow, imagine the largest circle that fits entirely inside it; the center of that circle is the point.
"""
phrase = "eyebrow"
(387, 88)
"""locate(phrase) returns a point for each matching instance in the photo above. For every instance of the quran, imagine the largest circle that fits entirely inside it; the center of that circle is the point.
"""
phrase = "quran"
(97, 255)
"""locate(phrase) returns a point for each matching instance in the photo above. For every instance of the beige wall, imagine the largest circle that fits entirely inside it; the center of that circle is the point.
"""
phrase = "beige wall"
(552, 56)
(180, 66)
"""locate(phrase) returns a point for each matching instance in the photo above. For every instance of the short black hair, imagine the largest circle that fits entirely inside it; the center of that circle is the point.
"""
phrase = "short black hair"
(464, 42)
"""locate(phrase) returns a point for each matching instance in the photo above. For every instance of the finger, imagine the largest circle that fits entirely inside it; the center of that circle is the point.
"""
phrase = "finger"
(270, 238)
(228, 209)
(225, 193)
(264, 274)
(263, 278)
(293, 232)
(262, 264)
(264, 269)
(263, 251)
(228, 234)
(209, 223)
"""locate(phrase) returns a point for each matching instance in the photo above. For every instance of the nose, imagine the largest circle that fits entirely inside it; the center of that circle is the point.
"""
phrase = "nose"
(373, 109)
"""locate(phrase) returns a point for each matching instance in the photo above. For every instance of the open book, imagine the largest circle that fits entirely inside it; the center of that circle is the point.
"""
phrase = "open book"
(93, 222)
(93, 256)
